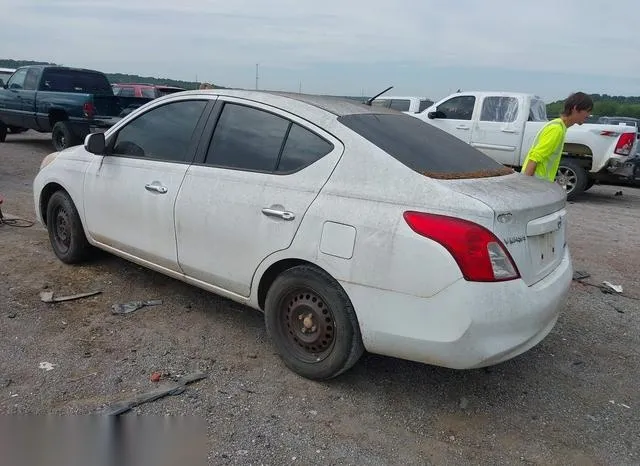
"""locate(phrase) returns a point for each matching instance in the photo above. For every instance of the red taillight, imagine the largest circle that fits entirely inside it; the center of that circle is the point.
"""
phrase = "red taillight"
(625, 143)
(89, 110)
(480, 255)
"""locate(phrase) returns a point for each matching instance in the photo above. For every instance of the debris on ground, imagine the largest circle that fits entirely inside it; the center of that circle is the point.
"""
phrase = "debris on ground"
(47, 296)
(580, 275)
(155, 377)
(609, 287)
(132, 306)
(618, 193)
(47, 366)
(173, 389)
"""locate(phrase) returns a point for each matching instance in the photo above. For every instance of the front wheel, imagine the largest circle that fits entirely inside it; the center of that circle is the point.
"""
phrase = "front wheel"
(312, 323)
(66, 234)
(3, 132)
(572, 177)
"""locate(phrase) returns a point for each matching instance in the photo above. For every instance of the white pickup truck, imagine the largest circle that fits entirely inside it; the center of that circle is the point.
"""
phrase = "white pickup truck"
(503, 125)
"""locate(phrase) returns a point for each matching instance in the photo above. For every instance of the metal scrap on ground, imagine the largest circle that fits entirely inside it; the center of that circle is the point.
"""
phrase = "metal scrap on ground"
(174, 389)
(126, 308)
(47, 296)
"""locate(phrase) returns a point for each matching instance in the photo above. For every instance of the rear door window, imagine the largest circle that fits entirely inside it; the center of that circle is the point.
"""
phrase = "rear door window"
(402, 105)
(423, 147)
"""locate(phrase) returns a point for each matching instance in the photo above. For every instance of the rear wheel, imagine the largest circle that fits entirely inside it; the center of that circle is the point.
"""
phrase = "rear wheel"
(62, 136)
(66, 234)
(312, 323)
(3, 132)
(572, 177)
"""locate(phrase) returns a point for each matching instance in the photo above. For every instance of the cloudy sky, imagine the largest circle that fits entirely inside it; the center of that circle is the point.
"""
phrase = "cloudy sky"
(346, 47)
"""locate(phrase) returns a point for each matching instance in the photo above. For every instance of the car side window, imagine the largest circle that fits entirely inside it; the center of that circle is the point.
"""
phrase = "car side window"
(17, 80)
(424, 104)
(401, 105)
(458, 108)
(247, 138)
(127, 92)
(499, 109)
(162, 133)
(384, 103)
(302, 149)
(31, 80)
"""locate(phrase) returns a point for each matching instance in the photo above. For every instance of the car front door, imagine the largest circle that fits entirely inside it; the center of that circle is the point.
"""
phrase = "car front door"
(11, 105)
(499, 129)
(129, 194)
(246, 197)
(455, 116)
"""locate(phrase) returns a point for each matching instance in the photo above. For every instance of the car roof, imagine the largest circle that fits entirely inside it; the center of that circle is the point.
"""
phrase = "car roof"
(387, 97)
(338, 106)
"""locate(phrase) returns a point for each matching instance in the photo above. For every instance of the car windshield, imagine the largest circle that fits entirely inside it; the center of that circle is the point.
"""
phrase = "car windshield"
(4, 76)
(422, 147)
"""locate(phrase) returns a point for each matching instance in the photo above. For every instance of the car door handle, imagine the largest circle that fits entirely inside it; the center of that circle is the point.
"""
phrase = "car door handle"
(510, 131)
(283, 214)
(462, 127)
(156, 188)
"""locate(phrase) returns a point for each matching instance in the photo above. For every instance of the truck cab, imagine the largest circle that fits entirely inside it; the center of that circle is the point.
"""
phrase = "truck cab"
(504, 125)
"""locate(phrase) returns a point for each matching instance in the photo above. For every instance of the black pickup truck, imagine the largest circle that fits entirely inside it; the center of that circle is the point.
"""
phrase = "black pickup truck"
(67, 102)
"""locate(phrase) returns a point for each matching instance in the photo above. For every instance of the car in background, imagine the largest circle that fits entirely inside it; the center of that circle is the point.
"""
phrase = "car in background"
(152, 91)
(404, 104)
(351, 227)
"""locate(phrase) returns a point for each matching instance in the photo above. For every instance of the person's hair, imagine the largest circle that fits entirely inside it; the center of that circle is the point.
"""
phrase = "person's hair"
(580, 101)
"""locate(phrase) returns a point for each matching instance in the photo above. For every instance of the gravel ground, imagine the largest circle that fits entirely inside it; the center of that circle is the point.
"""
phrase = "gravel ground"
(573, 399)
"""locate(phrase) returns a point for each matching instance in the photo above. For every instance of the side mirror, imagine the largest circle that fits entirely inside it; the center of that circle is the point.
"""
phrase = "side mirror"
(435, 115)
(95, 143)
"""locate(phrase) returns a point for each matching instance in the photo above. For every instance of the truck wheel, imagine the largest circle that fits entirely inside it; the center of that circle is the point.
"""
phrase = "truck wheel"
(3, 132)
(312, 323)
(572, 177)
(589, 185)
(66, 234)
(62, 136)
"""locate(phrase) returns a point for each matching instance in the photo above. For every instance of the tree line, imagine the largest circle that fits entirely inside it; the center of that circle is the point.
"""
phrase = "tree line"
(604, 105)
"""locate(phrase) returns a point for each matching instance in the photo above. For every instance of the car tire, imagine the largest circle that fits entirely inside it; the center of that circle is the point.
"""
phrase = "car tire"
(62, 136)
(3, 132)
(66, 234)
(312, 323)
(572, 177)
(590, 184)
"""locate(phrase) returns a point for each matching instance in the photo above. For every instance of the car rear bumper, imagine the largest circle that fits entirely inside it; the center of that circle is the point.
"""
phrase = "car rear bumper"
(467, 325)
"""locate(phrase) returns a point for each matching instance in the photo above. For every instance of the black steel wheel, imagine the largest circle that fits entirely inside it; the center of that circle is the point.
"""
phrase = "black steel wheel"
(66, 234)
(312, 323)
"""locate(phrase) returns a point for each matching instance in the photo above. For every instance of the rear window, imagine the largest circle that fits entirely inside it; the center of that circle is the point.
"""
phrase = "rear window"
(422, 147)
(88, 82)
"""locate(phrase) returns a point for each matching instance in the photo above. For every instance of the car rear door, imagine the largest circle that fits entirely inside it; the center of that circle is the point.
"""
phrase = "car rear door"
(129, 194)
(246, 194)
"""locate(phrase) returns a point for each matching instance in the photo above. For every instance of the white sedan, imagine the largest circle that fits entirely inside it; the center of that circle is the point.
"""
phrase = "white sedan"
(352, 227)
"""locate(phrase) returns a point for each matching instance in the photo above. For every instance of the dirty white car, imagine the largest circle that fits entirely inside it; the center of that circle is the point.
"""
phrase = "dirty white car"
(352, 227)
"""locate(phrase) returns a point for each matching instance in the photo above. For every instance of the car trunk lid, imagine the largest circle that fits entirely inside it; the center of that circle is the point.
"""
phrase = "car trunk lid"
(529, 218)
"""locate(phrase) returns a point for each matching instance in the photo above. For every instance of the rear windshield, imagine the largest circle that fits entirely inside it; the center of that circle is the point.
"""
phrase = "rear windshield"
(422, 147)
(85, 82)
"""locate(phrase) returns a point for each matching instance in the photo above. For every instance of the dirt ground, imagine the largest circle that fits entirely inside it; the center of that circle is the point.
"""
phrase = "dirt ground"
(574, 399)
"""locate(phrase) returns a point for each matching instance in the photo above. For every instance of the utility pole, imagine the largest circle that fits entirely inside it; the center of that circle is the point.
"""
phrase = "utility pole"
(256, 76)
